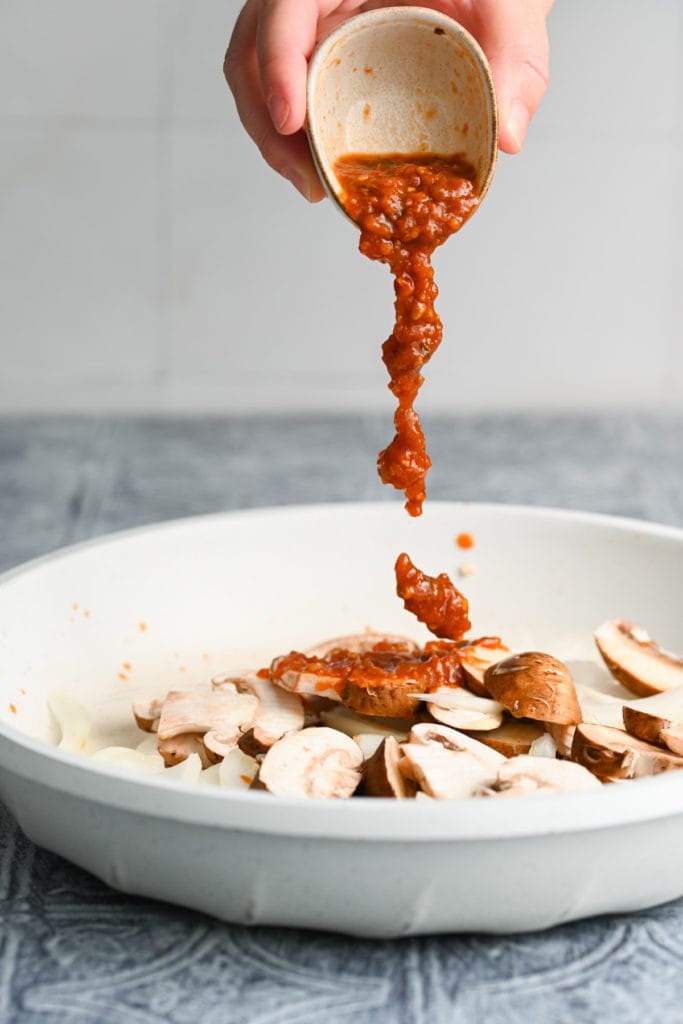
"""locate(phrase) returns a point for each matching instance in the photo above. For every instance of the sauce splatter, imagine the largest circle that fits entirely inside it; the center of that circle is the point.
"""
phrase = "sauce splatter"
(465, 541)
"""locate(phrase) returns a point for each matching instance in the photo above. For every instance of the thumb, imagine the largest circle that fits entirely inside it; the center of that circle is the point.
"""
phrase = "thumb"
(515, 39)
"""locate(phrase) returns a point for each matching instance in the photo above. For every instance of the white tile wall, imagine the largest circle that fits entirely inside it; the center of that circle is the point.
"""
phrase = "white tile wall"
(149, 260)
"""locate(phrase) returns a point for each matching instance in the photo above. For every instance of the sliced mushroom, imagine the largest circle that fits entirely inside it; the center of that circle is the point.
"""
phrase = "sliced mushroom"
(147, 714)
(381, 776)
(447, 764)
(390, 698)
(513, 738)
(178, 748)
(290, 672)
(278, 711)
(360, 643)
(476, 657)
(652, 717)
(612, 754)
(315, 762)
(226, 713)
(672, 737)
(457, 707)
(428, 734)
(636, 660)
(528, 774)
(534, 685)
(227, 683)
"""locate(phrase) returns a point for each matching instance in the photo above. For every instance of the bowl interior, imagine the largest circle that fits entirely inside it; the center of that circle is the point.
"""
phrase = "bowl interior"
(168, 607)
(401, 81)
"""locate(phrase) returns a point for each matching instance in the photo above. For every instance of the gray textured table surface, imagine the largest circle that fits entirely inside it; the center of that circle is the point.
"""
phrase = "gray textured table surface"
(73, 951)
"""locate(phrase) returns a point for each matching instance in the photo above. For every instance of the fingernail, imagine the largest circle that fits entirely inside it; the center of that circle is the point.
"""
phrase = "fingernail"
(518, 122)
(279, 110)
(298, 181)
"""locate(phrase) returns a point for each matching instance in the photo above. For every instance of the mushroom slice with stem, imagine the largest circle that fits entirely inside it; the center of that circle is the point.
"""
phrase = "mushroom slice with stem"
(147, 714)
(429, 734)
(446, 764)
(381, 775)
(528, 774)
(612, 754)
(315, 762)
(278, 710)
(635, 660)
(227, 713)
(657, 719)
(534, 685)
(178, 748)
(457, 707)
(478, 655)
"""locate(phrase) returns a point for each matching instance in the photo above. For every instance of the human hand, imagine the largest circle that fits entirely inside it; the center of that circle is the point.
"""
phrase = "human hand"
(272, 41)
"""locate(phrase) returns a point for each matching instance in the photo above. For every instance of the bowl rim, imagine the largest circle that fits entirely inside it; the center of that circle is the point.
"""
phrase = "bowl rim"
(366, 19)
(373, 819)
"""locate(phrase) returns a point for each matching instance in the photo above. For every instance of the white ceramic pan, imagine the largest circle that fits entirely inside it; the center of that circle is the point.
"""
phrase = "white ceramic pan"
(169, 606)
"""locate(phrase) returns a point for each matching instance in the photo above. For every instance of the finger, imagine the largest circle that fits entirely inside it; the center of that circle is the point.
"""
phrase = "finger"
(285, 39)
(290, 156)
(515, 39)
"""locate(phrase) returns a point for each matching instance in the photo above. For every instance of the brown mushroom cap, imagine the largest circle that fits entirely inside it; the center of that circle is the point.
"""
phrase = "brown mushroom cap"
(534, 685)
(512, 738)
(177, 749)
(391, 698)
(381, 775)
(315, 762)
(147, 714)
(657, 719)
(611, 754)
(635, 660)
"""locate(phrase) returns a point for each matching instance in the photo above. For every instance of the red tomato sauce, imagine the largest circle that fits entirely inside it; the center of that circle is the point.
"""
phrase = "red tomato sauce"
(406, 206)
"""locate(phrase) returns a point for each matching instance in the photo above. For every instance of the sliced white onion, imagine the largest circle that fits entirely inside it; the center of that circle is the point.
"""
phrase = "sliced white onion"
(188, 770)
(131, 760)
(148, 745)
(237, 770)
(72, 719)
(457, 698)
(544, 746)
(211, 776)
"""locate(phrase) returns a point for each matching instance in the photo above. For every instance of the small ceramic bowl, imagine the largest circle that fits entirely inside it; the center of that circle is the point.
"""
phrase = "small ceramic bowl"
(401, 80)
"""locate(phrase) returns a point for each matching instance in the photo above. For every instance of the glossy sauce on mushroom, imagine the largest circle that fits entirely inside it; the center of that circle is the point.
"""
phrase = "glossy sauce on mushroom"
(406, 206)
